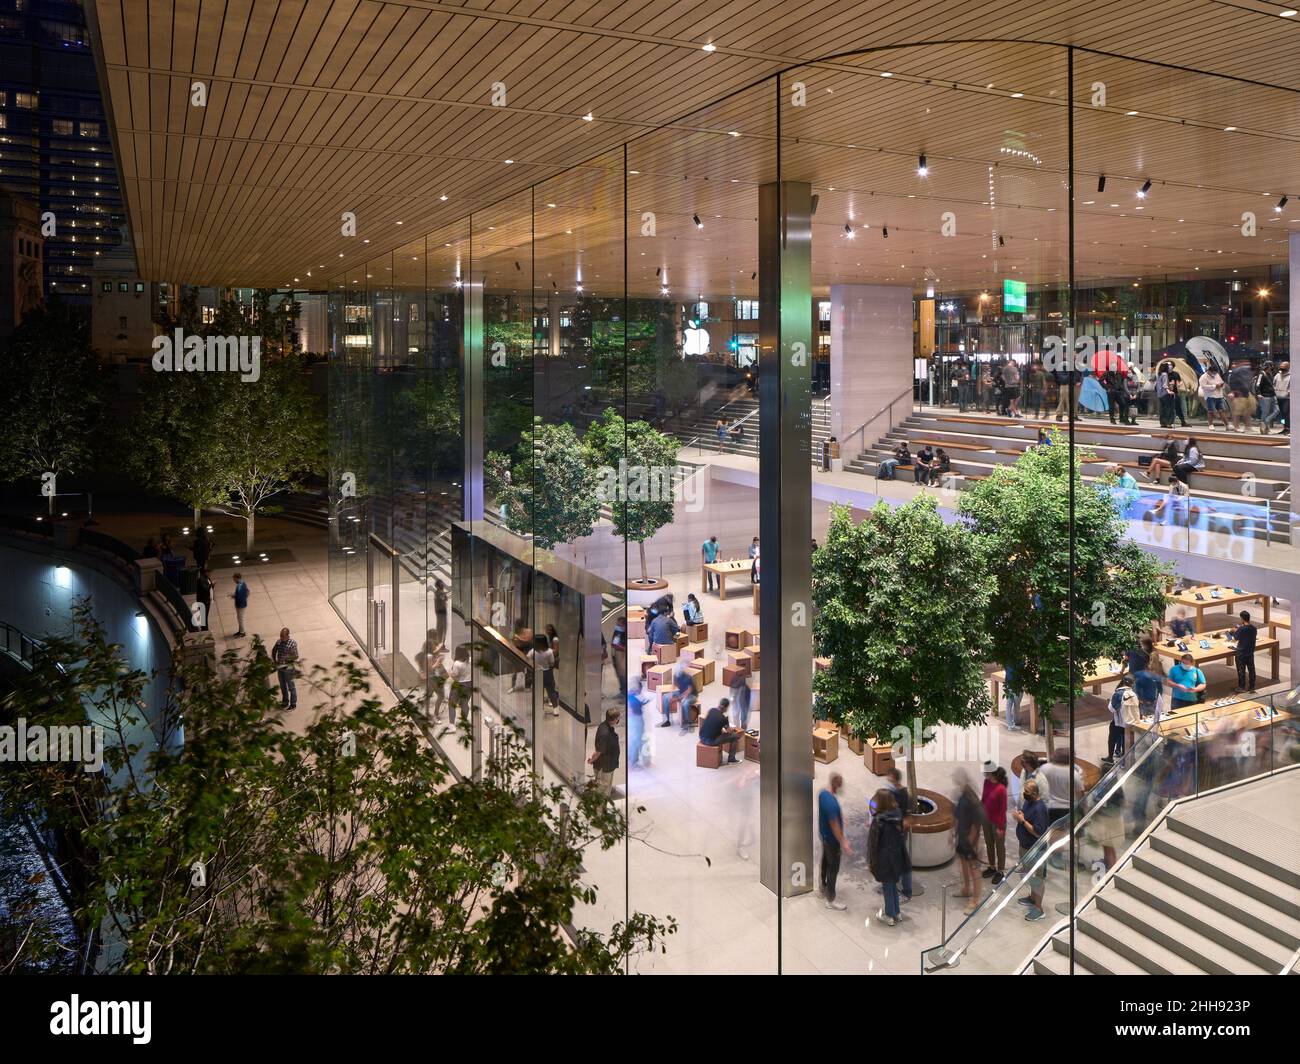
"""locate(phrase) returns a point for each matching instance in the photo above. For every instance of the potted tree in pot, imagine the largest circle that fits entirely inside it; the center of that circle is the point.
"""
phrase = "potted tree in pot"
(901, 603)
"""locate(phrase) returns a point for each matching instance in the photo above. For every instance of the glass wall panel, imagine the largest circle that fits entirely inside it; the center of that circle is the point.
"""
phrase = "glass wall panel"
(692, 338)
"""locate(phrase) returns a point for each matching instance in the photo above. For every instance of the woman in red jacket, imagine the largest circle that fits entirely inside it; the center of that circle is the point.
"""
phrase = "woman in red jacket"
(994, 800)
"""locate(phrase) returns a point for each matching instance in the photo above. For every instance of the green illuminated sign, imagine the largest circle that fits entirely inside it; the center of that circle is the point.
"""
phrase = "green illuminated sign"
(1015, 296)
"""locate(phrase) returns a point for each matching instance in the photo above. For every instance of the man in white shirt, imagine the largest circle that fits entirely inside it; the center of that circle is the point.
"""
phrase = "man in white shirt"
(1210, 387)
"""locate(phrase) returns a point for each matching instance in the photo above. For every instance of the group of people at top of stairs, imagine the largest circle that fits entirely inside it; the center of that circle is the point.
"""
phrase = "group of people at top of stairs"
(1124, 391)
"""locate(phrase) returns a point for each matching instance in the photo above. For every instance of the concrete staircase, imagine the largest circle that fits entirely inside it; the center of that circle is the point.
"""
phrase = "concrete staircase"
(1214, 890)
(681, 472)
(1242, 471)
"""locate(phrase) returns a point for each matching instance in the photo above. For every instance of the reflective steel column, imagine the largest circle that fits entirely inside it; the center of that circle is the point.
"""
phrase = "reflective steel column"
(471, 394)
(785, 534)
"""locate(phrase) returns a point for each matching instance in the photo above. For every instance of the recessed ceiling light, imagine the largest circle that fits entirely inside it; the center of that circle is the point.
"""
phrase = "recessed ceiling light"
(509, 162)
(589, 117)
(1017, 95)
(1288, 13)
(1130, 113)
(710, 47)
(886, 74)
(1229, 129)
(732, 133)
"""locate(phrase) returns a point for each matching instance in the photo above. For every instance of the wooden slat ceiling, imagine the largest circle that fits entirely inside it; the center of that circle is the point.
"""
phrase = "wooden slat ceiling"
(316, 107)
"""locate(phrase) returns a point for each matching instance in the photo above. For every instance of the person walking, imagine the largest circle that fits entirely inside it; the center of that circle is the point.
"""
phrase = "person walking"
(431, 660)
(1164, 395)
(1011, 699)
(1211, 387)
(618, 653)
(1244, 636)
(887, 853)
(1011, 385)
(240, 596)
(830, 827)
(1267, 394)
(970, 818)
(285, 655)
(994, 800)
(1241, 395)
(1175, 386)
(1282, 386)
(709, 554)
(1031, 825)
(203, 589)
(543, 657)
(604, 758)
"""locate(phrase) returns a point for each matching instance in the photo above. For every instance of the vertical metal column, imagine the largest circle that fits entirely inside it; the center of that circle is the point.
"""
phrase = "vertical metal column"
(471, 394)
(785, 534)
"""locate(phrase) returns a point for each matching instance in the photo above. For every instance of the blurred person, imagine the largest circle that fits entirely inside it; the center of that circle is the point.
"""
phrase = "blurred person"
(1241, 394)
(618, 652)
(970, 818)
(1266, 393)
(740, 696)
(458, 684)
(1282, 386)
(638, 753)
(203, 589)
(887, 853)
(684, 685)
(1211, 388)
(830, 827)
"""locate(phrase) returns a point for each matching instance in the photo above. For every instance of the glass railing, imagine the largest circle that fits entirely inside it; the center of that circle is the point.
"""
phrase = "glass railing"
(1241, 529)
(1192, 751)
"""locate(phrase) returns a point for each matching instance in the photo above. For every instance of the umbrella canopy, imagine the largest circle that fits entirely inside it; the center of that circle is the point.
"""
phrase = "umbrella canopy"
(1104, 361)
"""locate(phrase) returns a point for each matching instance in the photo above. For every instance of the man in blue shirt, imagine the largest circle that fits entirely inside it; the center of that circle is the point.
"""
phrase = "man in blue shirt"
(662, 631)
(241, 602)
(1147, 686)
(709, 552)
(1245, 637)
(1186, 682)
(1182, 626)
(830, 826)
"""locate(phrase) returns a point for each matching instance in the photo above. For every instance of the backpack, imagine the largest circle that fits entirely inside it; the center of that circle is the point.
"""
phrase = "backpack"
(1128, 706)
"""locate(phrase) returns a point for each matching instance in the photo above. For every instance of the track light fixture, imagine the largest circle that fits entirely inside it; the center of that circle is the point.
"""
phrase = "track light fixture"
(885, 232)
(1280, 204)
(921, 169)
(812, 204)
(1001, 241)
(848, 230)
(1146, 187)
(696, 219)
(1101, 183)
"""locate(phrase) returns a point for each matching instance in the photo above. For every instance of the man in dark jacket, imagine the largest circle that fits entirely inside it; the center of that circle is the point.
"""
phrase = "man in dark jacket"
(887, 853)
(715, 732)
(604, 758)
(1244, 637)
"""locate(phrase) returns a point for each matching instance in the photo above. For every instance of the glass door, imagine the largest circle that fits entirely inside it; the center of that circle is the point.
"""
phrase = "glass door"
(382, 607)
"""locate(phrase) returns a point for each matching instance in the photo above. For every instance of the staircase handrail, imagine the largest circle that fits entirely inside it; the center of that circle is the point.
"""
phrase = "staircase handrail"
(887, 408)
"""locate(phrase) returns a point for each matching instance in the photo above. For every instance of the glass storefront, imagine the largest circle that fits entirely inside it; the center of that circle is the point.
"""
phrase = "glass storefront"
(548, 433)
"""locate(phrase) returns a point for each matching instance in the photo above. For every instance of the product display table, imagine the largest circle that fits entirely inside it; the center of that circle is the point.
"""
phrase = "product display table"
(722, 570)
(1217, 597)
(1091, 773)
(1221, 648)
(1246, 715)
(1107, 671)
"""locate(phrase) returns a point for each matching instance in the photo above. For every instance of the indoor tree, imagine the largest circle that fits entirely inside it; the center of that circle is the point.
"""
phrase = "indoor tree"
(341, 847)
(901, 601)
(548, 488)
(638, 463)
(51, 402)
(1021, 516)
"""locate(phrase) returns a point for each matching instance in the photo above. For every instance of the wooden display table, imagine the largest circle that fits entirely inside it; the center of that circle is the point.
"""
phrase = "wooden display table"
(826, 744)
(1280, 621)
(1227, 598)
(1107, 671)
(1221, 648)
(722, 570)
(1175, 724)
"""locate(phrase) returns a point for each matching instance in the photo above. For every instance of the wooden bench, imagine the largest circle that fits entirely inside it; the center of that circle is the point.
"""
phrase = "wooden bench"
(955, 445)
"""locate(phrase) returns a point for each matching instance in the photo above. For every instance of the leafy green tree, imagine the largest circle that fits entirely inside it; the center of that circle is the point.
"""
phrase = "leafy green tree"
(174, 445)
(277, 325)
(549, 489)
(1021, 515)
(634, 466)
(901, 600)
(51, 401)
(342, 848)
(271, 436)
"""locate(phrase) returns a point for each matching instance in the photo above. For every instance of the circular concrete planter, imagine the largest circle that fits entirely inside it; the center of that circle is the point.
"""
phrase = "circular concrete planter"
(645, 592)
(933, 841)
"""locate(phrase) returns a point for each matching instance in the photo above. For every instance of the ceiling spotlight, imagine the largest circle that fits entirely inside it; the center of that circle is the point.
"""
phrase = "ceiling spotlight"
(1146, 187)
(696, 219)
(710, 47)
(578, 288)
(1288, 13)
(588, 117)
(518, 267)
(921, 169)
(848, 230)
(658, 270)
(1001, 242)
(885, 231)
(663, 290)
(1101, 183)
(812, 204)
(1280, 204)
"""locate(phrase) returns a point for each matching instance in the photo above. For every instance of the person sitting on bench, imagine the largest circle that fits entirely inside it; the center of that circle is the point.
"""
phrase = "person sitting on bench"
(902, 456)
(1165, 461)
(924, 465)
(715, 732)
(691, 610)
(1191, 461)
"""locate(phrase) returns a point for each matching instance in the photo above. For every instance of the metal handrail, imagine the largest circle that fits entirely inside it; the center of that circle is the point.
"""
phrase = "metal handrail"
(887, 408)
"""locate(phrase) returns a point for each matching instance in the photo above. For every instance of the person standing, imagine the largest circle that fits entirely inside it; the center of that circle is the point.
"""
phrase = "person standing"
(1186, 682)
(285, 655)
(1211, 387)
(604, 758)
(1176, 389)
(1011, 699)
(1119, 719)
(1031, 825)
(241, 602)
(830, 826)
(1282, 386)
(740, 699)
(458, 685)
(543, 657)
(903, 798)
(994, 800)
(1244, 636)
(203, 589)
(887, 853)
(1061, 784)
(1267, 393)
(440, 604)
(709, 553)
(1036, 380)
(1165, 396)
(201, 548)
(970, 821)
(618, 653)
(1241, 395)
(1011, 386)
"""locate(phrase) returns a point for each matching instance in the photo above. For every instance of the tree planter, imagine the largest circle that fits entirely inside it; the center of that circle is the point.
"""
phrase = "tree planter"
(645, 592)
(933, 841)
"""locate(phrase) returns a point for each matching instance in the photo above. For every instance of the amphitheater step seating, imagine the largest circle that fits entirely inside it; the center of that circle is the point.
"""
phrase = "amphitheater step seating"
(1241, 471)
